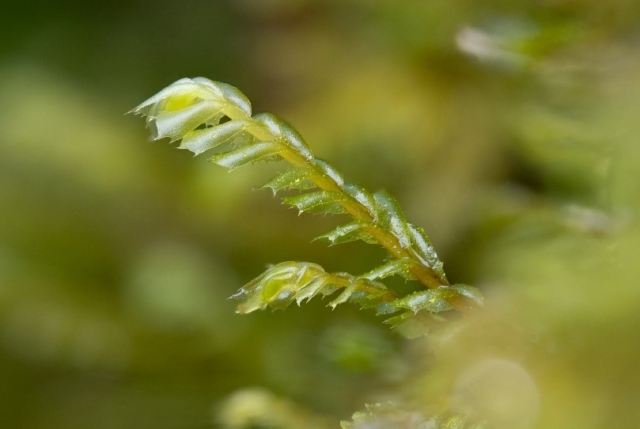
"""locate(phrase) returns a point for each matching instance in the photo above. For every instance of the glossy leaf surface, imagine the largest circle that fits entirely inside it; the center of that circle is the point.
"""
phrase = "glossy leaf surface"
(317, 202)
(244, 155)
(350, 232)
(292, 179)
(200, 141)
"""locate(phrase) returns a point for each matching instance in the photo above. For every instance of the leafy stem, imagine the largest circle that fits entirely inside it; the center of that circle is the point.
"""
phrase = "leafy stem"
(204, 115)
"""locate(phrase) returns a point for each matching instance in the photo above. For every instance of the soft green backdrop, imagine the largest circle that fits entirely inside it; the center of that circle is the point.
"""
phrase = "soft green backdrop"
(508, 130)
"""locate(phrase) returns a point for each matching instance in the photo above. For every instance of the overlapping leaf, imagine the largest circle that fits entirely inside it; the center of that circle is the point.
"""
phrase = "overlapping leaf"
(284, 283)
(391, 217)
(244, 155)
(292, 179)
(400, 267)
(199, 141)
(317, 202)
(357, 230)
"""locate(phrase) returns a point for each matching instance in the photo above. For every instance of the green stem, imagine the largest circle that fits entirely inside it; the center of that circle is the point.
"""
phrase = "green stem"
(389, 241)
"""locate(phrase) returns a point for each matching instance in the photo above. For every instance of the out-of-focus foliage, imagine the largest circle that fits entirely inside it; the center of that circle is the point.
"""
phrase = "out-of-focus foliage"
(393, 416)
(255, 407)
(507, 130)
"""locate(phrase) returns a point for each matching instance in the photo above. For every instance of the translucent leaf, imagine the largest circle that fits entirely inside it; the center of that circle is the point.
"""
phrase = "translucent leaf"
(284, 283)
(350, 232)
(317, 202)
(367, 294)
(345, 295)
(232, 94)
(314, 287)
(175, 124)
(294, 140)
(215, 119)
(152, 112)
(180, 88)
(282, 131)
(432, 300)
(209, 84)
(283, 298)
(328, 170)
(470, 292)
(199, 141)
(386, 308)
(244, 155)
(390, 214)
(399, 319)
(363, 197)
(306, 272)
(373, 295)
(249, 302)
(391, 268)
(271, 123)
(278, 289)
(292, 179)
(188, 91)
(277, 286)
(426, 252)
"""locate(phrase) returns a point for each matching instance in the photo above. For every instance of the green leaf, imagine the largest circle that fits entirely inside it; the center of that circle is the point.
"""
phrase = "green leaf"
(386, 308)
(374, 295)
(327, 170)
(175, 124)
(230, 93)
(391, 268)
(295, 140)
(199, 141)
(432, 300)
(412, 326)
(235, 103)
(285, 133)
(399, 319)
(391, 216)
(292, 179)
(318, 285)
(471, 293)
(317, 202)
(286, 282)
(350, 232)
(362, 196)
(181, 88)
(364, 292)
(244, 155)
(426, 252)
(277, 286)
(344, 296)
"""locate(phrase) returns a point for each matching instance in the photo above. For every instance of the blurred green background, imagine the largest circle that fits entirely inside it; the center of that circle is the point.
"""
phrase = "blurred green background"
(508, 130)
